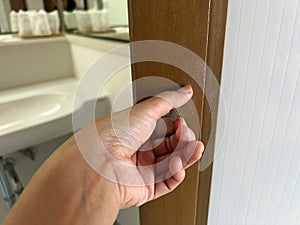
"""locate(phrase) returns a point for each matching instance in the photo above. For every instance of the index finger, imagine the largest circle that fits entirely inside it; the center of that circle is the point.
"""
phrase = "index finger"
(161, 104)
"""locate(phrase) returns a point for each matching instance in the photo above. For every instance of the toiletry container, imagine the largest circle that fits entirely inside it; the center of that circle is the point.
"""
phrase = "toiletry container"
(54, 22)
(40, 24)
(99, 20)
(24, 22)
(14, 24)
(83, 21)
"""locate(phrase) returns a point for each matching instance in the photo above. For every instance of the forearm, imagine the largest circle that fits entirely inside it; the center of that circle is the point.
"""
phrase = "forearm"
(66, 191)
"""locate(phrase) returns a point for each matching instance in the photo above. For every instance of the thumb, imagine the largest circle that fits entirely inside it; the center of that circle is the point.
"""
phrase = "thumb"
(144, 115)
(162, 103)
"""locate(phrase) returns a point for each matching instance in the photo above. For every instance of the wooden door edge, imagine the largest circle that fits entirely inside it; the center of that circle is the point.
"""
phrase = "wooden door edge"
(215, 51)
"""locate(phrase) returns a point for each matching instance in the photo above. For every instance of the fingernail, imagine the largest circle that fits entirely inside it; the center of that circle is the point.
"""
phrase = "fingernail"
(187, 89)
(202, 147)
(183, 121)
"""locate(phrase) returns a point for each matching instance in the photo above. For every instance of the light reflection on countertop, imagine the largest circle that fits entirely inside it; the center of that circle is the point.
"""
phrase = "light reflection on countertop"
(30, 115)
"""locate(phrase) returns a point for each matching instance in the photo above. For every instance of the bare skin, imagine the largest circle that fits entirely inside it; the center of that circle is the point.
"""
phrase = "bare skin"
(66, 190)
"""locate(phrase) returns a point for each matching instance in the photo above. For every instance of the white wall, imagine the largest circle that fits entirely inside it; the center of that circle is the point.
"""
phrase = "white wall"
(80, 4)
(35, 4)
(4, 15)
(118, 12)
(256, 172)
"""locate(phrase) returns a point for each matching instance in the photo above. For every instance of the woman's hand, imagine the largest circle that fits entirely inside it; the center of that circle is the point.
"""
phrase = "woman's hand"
(148, 154)
(125, 159)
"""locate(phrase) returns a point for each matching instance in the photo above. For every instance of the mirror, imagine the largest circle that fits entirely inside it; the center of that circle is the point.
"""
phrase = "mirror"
(91, 18)
(96, 18)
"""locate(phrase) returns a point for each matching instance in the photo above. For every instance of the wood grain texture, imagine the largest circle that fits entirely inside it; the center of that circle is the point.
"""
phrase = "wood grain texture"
(216, 37)
(185, 23)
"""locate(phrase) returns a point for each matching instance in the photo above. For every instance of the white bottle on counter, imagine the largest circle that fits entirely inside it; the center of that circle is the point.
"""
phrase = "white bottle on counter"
(14, 24)
(83, 21)
(99, 20)
(54, 21)
(25, 26)
(40, 23)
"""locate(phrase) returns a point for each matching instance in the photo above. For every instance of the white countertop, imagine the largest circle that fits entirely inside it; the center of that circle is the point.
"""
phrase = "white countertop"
(36, 113)
(62, 91)
(10, 39)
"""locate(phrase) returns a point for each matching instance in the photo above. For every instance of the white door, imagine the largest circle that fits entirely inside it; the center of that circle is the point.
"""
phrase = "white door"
(257, 165)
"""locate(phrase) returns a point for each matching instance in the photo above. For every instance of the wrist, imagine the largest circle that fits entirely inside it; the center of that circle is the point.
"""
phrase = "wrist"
(99, 196)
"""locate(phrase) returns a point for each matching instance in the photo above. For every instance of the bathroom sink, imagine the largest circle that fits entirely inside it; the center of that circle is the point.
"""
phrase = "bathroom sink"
(29, 110)
(33, 115)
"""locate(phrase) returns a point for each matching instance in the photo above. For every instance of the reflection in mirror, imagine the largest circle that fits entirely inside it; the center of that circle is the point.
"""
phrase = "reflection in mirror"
(29, 18)
(97, 18)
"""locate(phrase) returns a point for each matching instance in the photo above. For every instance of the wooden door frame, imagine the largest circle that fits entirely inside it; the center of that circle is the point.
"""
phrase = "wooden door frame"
(188, 205)
(215, 50)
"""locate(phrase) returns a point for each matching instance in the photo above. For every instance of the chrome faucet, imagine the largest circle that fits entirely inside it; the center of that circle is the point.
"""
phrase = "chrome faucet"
(10, 183)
